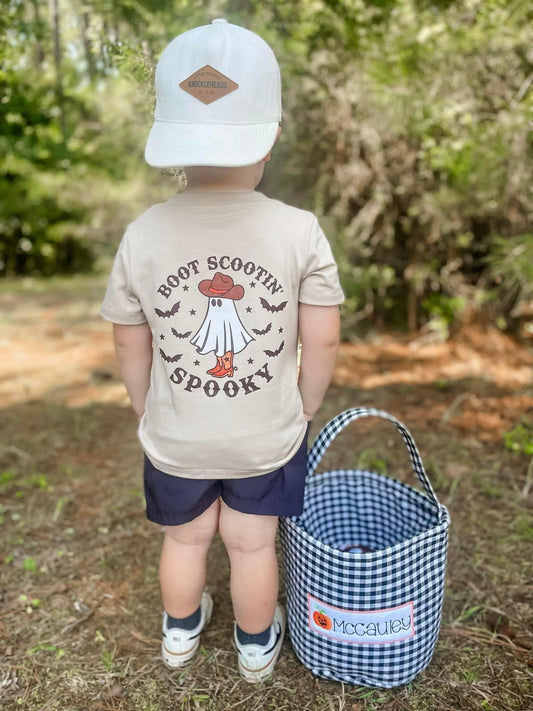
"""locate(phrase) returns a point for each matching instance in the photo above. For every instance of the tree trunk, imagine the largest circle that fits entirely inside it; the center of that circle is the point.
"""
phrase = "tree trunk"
(39, 51)
(412, 309)
(88, 45)
(56, 30)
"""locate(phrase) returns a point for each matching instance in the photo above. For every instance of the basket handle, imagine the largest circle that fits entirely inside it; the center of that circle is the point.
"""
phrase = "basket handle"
(338, 423)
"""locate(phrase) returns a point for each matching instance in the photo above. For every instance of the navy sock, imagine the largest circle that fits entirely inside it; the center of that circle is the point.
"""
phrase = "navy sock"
(262, 638)
(185, 623)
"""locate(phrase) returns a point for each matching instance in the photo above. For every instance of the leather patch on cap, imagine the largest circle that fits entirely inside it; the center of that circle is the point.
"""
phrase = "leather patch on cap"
(208, 85)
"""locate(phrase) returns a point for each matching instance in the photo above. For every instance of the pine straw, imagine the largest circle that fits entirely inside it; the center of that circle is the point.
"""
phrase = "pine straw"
(86, 634)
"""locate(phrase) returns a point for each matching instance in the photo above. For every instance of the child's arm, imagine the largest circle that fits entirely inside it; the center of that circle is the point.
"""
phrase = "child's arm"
(320, 335)
(133, 345)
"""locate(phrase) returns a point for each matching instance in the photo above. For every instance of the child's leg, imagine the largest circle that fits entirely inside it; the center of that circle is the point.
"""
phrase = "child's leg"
(250, 542)
(182, 568)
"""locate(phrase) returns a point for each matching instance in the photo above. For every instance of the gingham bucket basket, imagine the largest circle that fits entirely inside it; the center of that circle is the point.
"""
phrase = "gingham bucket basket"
(366, 618)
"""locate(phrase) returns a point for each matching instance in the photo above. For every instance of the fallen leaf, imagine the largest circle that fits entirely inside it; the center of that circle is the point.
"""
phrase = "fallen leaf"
(115, 692)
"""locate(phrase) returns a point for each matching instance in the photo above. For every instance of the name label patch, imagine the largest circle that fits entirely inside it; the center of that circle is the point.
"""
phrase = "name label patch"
(393, 624)
(208, 84)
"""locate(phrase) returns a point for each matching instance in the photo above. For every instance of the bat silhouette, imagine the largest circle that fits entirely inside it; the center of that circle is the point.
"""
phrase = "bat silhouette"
(167, 314)
(258, 332)
(170, 359)
(180, 335)
(273, 354)
(272, 309)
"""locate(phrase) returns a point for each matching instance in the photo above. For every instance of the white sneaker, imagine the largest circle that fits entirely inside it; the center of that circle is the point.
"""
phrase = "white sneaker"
(179, 645)
(256, 662)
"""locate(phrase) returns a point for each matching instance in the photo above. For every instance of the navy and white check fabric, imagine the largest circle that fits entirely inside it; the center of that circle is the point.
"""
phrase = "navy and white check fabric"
(407, 531)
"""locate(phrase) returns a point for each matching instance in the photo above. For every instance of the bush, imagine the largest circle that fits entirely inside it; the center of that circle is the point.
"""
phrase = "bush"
(413, 135)
(407, 131)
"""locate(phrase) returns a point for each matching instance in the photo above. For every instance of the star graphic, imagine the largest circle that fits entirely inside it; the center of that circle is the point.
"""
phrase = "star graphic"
(252, 285)
(251, 361)
(280, 330)
(192, 312)
(162, 336)
(196, 362)
(185, 287)
(249, 310)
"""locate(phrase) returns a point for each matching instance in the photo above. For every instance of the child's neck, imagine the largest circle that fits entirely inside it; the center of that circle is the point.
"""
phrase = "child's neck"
(211, 179)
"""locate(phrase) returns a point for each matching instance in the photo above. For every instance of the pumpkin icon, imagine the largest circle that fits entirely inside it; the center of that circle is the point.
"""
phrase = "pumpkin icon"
(321, 620)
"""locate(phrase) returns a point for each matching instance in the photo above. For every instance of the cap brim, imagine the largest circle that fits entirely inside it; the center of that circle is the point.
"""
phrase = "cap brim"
(171, 145)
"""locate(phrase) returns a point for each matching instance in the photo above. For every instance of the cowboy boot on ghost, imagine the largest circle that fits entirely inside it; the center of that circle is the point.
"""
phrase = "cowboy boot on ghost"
(221, 331)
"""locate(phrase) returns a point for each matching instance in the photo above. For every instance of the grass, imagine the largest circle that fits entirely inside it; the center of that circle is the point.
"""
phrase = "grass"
(80, 612)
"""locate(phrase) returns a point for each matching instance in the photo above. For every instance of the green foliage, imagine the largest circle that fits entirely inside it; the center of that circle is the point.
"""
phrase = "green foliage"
(30, 565)
(406, 129)
(520, 438)
(75, 109)
(47, 648)
(417, 146)
(510, 264)
(371, 460)
(41, 221)
(442, 311)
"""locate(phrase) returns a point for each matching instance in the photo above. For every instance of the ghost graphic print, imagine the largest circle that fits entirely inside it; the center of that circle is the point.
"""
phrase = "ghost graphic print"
(221, 331)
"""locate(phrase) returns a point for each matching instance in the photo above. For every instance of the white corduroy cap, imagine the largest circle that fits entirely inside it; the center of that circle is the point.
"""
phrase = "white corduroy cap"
(218, 93)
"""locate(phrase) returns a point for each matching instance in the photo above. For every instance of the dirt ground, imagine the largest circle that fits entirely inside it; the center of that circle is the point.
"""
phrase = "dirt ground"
(80, 608)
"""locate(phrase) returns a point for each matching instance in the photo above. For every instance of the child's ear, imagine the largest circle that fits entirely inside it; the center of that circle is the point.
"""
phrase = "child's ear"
(269, 154)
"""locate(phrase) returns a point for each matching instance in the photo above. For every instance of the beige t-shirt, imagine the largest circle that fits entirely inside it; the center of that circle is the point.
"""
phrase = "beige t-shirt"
(218, 277)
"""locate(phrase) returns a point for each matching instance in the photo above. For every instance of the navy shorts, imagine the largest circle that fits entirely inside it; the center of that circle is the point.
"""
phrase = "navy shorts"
(173, 500)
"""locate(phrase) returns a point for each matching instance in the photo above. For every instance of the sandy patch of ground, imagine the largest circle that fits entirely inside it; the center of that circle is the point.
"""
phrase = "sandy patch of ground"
(60, 350)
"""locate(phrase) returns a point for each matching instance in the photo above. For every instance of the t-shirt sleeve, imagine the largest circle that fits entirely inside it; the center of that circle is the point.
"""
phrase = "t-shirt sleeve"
(121, 305)
(319, 285)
